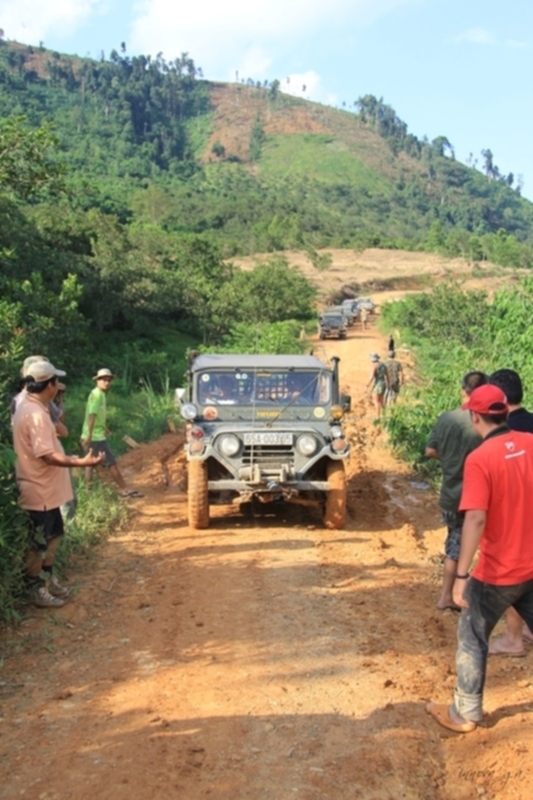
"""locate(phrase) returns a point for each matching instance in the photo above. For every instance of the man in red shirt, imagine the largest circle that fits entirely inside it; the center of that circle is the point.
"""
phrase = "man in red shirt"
(498, 505)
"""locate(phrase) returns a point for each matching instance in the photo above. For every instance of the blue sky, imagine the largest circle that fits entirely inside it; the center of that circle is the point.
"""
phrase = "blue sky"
(457, 68)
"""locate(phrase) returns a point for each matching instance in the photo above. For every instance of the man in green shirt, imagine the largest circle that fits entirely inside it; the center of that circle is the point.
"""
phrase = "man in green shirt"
(451, 440)
(94, 432)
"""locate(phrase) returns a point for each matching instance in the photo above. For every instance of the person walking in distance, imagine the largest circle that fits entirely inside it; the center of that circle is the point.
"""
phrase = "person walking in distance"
(95, 432)
(378, 383)
(43, 480)
(394, 378)
(451, 440)
(518, 419)
(498, 505)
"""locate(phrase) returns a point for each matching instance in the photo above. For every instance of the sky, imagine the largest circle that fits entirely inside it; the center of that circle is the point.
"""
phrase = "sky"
(456, 68)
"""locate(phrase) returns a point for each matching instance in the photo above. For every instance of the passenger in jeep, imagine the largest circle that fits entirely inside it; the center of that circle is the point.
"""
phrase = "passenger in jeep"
(219, 389)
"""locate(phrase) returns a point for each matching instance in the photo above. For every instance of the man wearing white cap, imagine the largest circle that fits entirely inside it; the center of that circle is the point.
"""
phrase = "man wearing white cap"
(43, 480)
(94, 432)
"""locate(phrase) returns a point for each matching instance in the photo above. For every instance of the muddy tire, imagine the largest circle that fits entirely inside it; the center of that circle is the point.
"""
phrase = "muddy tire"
(335, 511)
(197, 493)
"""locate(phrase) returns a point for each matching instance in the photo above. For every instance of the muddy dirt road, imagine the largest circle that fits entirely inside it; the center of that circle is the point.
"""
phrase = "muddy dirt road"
(263, 658)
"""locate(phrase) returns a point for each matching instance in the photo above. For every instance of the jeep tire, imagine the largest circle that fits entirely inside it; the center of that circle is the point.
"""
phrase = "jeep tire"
(335, 511)
(197, 493)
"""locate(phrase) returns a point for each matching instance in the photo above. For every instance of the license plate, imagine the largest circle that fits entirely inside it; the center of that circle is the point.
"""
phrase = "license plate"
(271, 437)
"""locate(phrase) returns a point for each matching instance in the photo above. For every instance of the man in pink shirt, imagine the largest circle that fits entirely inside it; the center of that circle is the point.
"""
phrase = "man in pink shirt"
(43, 480)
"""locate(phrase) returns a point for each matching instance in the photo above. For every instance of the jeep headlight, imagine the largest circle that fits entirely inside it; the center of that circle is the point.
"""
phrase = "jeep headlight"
(188, 411)
(337, 412)
(306, 444)
(229, 445)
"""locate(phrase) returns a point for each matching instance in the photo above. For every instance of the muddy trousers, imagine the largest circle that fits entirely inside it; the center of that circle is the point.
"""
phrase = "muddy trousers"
(487, 604)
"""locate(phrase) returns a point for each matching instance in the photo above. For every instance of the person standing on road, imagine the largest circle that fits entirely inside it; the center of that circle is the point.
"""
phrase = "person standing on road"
(378, 383)
(450, 441)
(498, 505)
(94, 433)
(394, 377)
(364, 318)
(43, 480)
(518, 419)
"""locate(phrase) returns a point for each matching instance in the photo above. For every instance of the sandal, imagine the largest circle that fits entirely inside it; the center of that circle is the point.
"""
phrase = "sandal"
(441, 714)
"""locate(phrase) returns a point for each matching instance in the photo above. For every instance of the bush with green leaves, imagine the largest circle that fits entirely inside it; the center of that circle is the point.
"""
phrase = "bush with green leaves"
(452, 332)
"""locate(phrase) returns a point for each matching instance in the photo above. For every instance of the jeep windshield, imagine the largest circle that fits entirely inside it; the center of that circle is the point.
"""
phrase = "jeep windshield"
(263, 387)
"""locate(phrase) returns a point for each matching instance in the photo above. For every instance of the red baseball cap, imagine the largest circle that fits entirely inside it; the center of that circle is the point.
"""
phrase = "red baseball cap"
(487, 399)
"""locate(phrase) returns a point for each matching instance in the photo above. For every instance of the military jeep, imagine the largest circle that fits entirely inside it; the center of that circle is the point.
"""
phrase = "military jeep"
(263, 428)
(332, 323)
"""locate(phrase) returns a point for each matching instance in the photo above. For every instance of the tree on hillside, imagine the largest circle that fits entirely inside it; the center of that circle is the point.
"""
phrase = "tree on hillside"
(27, 158)
(274, 89)
(257, 138)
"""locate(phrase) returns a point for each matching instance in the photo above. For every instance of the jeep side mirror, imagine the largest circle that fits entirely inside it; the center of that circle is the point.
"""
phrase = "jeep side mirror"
(346, 403)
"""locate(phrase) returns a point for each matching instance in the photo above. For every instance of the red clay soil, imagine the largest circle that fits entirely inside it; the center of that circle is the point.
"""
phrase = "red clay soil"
(264, 658)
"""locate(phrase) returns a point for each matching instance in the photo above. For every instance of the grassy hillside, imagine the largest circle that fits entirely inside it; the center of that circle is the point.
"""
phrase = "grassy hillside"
(253, 168)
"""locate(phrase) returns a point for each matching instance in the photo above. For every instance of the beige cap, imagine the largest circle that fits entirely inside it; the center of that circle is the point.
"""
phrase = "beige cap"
(103, 373)
(28, 362)
(43, 371)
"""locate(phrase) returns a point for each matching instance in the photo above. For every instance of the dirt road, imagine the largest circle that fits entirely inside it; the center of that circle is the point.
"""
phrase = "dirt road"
(263, 658)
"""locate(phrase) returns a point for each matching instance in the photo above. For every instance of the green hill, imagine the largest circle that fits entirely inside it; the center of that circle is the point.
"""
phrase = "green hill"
(153, 143)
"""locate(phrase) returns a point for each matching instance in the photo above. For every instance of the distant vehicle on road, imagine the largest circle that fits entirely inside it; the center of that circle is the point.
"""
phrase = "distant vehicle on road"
(366, 302)
(332, 323)
(346, 312)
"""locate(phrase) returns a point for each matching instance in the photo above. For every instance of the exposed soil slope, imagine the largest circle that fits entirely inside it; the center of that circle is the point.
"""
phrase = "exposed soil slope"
(261, 658)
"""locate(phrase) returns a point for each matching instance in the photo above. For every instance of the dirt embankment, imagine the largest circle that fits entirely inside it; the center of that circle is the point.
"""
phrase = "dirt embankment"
(263, 658)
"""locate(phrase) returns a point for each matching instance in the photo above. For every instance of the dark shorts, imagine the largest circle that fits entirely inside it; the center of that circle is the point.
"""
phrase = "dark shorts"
(102, 447)
(454, 522)
(45, 526)
(379, 387)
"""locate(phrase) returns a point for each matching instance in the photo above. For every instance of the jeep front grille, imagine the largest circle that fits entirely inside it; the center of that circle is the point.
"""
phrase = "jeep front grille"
(268, 456)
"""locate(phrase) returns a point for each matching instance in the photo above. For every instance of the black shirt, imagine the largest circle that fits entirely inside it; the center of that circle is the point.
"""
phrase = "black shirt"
(520, 420)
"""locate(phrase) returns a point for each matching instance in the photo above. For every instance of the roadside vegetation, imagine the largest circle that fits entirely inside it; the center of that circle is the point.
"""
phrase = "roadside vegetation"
(451, 332)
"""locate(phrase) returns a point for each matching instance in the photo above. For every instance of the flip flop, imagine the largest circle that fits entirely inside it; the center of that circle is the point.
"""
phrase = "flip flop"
(496, 650)
(450, 607)
(441, 714)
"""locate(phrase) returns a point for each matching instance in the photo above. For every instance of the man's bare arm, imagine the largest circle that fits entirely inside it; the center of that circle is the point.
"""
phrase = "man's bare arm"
(471, 534)
(431, 453)
(62, 460)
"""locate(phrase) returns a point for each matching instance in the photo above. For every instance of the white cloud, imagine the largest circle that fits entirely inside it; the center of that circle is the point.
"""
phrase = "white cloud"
(255, 63)
(476, 36)
(30, 21)
(516, 44)
(302, 84)
(239, 35)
